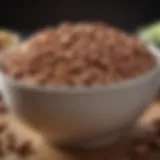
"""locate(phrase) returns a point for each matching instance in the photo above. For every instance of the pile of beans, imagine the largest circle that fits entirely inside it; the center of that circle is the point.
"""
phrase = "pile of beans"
(80, 54)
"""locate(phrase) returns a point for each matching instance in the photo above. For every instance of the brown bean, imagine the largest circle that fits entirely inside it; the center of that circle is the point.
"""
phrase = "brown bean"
(94, 52)
(11, 142)
(25, 149)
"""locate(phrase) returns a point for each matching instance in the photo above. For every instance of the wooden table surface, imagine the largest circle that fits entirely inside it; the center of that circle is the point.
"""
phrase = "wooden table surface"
(42, 150)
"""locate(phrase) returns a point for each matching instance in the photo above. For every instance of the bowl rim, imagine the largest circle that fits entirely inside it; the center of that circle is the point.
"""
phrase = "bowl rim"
(93, 89)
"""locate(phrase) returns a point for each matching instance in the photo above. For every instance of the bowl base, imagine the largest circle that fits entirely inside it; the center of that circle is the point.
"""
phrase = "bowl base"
(96, 143)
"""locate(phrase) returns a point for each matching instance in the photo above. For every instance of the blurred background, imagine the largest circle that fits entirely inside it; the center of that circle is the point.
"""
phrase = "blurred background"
(27, 16)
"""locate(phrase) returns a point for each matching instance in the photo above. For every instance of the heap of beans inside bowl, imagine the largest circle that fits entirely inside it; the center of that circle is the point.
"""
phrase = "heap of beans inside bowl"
(78, 54)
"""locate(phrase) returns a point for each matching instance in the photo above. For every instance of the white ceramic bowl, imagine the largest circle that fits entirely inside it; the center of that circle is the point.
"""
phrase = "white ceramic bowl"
(90, 115)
